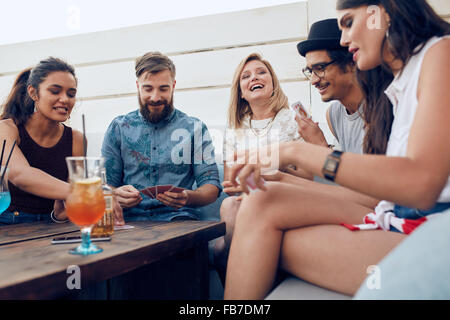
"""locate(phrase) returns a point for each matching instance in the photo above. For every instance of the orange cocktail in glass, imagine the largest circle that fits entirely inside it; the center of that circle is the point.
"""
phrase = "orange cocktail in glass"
(85, 205)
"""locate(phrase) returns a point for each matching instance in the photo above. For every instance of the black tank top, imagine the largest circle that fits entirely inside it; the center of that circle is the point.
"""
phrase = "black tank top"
(50, 160)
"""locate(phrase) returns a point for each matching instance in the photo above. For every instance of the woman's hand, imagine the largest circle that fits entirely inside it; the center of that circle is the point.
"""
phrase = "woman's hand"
(59, 211)
(310, 131)
(231, 189)
(254, 165)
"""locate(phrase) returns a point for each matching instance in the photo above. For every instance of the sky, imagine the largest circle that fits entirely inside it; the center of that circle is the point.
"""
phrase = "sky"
(28, 20)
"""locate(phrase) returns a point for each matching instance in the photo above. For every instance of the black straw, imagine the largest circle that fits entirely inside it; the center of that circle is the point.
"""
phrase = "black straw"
(84, 147)
(84, 135)
(3, 150)
(7, 161)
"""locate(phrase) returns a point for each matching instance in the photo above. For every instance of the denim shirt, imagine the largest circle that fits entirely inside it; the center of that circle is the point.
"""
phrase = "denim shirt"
(178, 150)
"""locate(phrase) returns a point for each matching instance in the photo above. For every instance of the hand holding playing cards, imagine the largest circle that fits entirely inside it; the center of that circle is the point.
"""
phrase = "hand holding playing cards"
(173, 199)
(310, 131)
(248, 176)
(127, 196)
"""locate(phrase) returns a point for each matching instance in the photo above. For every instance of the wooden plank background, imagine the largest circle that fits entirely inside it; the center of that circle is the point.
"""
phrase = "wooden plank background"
(205, 50)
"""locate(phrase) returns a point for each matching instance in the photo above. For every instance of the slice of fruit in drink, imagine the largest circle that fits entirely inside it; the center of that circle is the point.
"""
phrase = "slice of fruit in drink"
(86, 205)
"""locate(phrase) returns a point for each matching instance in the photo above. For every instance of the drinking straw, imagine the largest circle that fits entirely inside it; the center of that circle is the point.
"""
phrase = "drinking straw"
(7, 161)
(84, 147)
(84, 135)
(3, 150)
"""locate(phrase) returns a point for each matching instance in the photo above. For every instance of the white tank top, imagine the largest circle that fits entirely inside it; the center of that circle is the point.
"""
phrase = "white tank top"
(402, 93)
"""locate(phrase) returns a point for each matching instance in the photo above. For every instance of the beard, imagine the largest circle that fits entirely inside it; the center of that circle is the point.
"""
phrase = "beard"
(153, 116)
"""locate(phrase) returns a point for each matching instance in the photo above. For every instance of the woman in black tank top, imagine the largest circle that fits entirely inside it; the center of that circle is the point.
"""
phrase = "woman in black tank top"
(41, 99)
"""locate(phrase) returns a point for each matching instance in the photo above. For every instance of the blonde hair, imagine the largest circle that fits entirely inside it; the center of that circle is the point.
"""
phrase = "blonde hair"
(239, 107)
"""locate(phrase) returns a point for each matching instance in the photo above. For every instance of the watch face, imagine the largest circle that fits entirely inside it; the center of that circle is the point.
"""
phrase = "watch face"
(330, 165)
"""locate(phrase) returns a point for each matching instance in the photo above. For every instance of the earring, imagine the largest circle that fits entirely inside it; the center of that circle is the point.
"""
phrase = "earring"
(387, 30)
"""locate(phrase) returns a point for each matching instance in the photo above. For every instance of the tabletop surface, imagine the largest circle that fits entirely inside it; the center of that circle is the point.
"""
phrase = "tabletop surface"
(30, 260)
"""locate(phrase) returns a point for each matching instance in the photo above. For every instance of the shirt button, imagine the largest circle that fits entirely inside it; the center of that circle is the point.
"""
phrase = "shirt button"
(154, 148)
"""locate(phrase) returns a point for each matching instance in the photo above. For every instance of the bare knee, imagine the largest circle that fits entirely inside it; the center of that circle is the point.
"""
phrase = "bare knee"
(258, 206)
(229, 209)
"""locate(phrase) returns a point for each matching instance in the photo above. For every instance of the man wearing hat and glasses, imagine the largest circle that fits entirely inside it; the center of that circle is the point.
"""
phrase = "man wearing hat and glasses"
(331, 69)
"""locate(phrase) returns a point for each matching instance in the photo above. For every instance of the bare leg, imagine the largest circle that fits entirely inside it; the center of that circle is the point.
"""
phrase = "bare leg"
(339, 191)
(261, 221)
(228, 211)
(334, 257)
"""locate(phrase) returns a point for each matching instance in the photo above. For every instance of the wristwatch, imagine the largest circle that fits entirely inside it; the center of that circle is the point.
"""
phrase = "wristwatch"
(331, 165)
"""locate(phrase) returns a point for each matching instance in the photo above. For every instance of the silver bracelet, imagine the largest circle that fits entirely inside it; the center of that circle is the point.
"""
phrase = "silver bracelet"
(52, 216)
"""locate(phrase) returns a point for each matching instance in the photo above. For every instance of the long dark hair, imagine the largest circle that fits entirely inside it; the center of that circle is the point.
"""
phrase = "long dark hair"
(19, 106)
(413, 23)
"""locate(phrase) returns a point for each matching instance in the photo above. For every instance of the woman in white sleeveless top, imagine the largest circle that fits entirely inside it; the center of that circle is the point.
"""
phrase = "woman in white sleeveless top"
(258, 114)
(404, 39)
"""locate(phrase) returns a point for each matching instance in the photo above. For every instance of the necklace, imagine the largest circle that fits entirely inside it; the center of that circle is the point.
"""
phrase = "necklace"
(262, 131)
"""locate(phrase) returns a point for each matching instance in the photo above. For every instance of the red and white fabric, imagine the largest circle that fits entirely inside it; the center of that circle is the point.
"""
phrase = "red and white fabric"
(383, 218)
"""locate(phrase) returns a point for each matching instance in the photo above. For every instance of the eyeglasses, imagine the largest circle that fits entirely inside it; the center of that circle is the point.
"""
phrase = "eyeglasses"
(317, 69)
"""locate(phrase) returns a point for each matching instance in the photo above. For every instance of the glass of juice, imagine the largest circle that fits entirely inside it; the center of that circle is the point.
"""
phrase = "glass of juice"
(85, 205)
(5, 197)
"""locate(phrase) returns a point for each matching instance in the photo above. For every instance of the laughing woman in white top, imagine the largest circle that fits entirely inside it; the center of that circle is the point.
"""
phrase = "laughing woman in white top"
(258, 114)
(403, 38)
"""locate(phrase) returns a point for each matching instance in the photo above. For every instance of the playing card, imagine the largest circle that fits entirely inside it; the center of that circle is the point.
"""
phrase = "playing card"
(163, 188)
(300, 110)
(176, 190)
(153, 190)
(147, 192)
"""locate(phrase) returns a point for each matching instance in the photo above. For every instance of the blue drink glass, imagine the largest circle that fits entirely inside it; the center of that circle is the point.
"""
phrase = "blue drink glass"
(5, 197)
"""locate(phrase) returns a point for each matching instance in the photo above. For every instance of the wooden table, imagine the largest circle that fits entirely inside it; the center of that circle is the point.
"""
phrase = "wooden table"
(155, 260)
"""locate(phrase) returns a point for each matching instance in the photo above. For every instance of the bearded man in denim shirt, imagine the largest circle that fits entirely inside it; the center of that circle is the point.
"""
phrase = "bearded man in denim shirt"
(159, 145)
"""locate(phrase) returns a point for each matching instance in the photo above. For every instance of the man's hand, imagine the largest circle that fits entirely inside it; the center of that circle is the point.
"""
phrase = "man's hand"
(310, 131)
(174, 200)
(127, 196)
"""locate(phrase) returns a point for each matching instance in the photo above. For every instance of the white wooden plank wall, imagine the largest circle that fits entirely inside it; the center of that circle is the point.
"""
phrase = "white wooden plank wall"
(205, 50)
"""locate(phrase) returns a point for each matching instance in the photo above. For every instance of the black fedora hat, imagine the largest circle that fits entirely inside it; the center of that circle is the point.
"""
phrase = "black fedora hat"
(324, 34)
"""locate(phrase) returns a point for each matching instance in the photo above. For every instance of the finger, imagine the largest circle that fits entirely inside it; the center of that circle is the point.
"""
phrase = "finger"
(128, 202)
(234, 171)
(127, 192)
(243, 175)
(239, 198)
(164, 200)
(232, 190)
(171, 201)
(258, 179)
(227, 184)
(175, 195)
